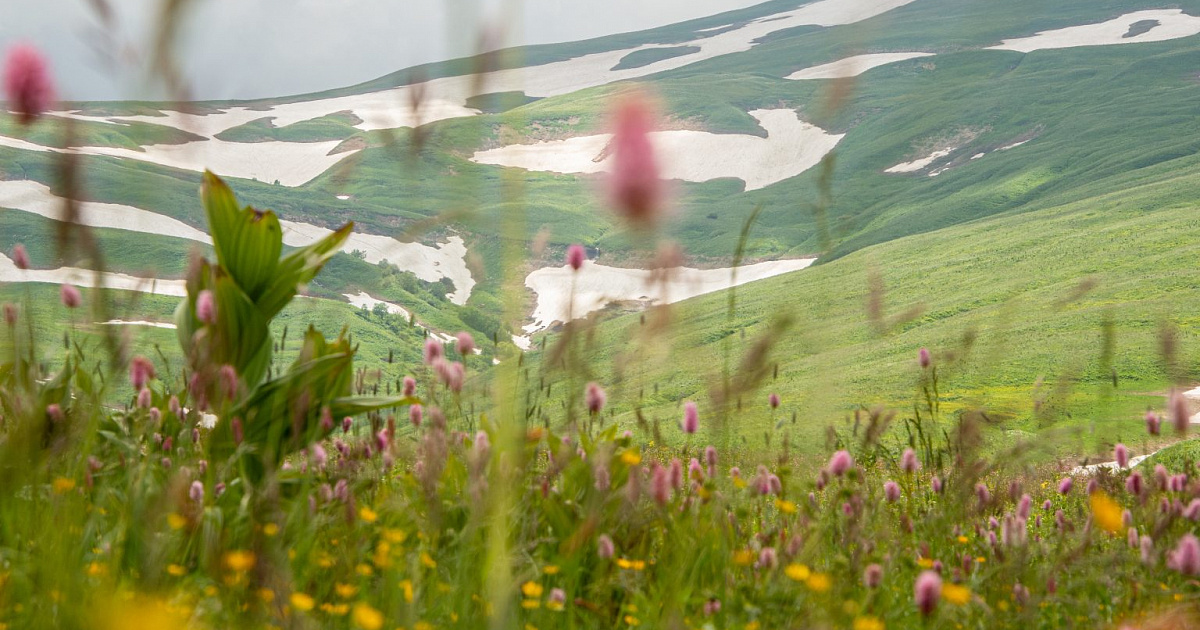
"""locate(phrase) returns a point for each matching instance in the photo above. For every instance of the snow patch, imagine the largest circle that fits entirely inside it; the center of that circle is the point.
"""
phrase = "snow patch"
(595, 286)
(916, 165)
(791, 147)
(1172, 24)
(852, 66)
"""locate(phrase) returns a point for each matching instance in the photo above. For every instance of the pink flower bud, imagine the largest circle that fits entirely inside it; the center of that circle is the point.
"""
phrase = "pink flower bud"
(464, 343)
(196, 492)
(604, 547)
(1121, 454)
(1064, 486)
(1179, 413)
(141, 370)
(936, 484)
(236, 426)
(433, 350)
(773, 400)
(20, 256)
(872, 576)
(594, 397)
(206, 307)
(410, 386)
(10, 314)
(576, 256)
(414, 415)
(923, 358)
(891, 491)
(1153, 423)
(347, 422)
(691, 417)
(927, 591)
(70, 296)
(840, 463)
(908, 461)
(637, 191)
(27, 83)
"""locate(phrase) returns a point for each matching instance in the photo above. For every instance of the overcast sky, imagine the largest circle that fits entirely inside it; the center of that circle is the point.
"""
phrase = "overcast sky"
(262, 48)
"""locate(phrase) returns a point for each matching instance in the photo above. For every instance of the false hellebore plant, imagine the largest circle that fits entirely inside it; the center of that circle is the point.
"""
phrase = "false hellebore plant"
(224, 328)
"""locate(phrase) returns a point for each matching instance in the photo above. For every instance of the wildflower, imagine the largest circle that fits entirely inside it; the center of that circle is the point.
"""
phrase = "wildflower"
(840, 463)
(1192, 511)
(20, 256)
(531, 589)
(238, 434)
(464, 343)
(69, 296)
(366, 617)
(661, 485)
(923, 358)
(433, 350)
(926, 591)
(604, 547)
(229, 381)
(595, 398)
(872, 576)
(1179, 413)
(206, 307)
(347, 422)
(936, 484)
(27, 83)
(908, 461)
(635, 186)
(1064, 485)
(62, 485)
(773, 400)
(1146, 547)
(1026, 504)
(54, 412)
(1121, 455)
(410, 386)
(557, 599)
(1153, 423)
(239, 561)
(981, 491)
(712, 607)
(1186, 557)
(710, 459)
(676, 473)
(797, 572)
(414, 415)
(302, 602)
(891, 491)
(956, 594)
(1105, 512)
(196, 492)
(576, 256)
(691, 417)
(10, 314)
(867, 623)
(819, 582)
(1133, 483)
(144, 398)
(767, 558)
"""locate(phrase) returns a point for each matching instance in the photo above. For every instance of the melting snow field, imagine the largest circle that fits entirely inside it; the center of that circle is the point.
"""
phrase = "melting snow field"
(791, 147)
(446, 260)
(595, 286)
(1172, 24)
(852, 66)
(916, 165)
(85, 277)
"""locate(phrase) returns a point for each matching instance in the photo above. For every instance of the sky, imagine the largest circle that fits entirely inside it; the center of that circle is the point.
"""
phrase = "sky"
(263, 48)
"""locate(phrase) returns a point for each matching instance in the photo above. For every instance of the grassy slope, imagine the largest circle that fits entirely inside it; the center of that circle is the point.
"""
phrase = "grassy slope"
(1005, 281)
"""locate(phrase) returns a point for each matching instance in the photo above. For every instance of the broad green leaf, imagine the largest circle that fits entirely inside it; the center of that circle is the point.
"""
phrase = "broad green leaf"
(299, 268)
(247, 242)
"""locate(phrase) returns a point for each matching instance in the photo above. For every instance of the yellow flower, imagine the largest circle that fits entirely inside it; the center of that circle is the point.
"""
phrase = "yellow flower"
(797, 572)
(868, 623)
(422, 625)
(1106, 513)
(367, 618)
(176, 570)
(407, 587)
(925, 563)
(239, 560)
(818, 582)
(743, 557)
(270, 529)
(175, 521)
(335, 609)
(550, 569)
(631, 457)
(956, 594)
(753, 625)
(345, 591)
(96, 569)
(394, 536)
(302, 602)
(428, 560)
(963, 539)
(363, 569)
(63, 485)
(530, 604)
(787, 507)
(631, 620)
(739, 483)
(531, 589)
(266, 594)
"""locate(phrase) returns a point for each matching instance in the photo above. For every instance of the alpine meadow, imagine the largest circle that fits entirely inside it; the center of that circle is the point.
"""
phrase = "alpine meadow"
(811, 314)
